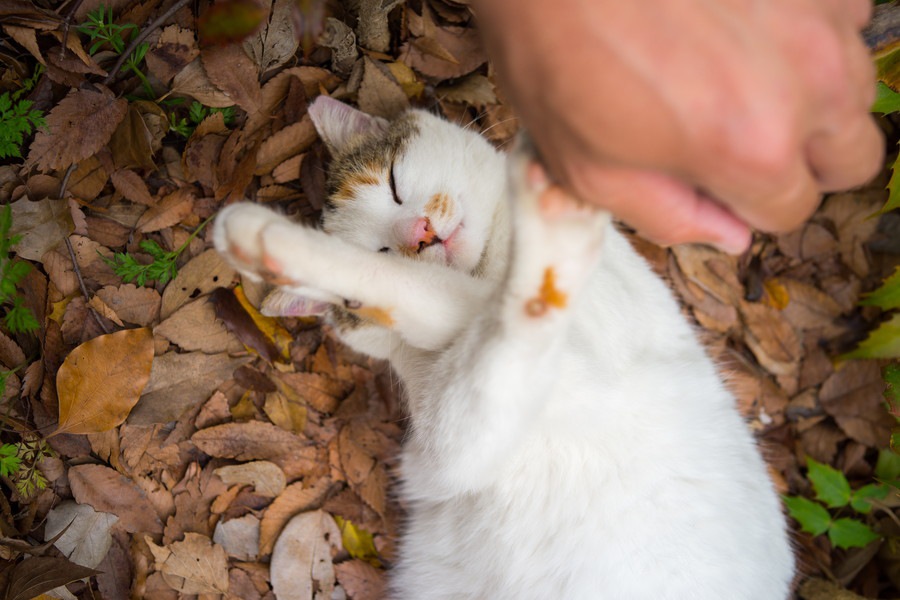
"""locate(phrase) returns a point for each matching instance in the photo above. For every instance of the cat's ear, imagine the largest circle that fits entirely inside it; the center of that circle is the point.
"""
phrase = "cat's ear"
(339, 124)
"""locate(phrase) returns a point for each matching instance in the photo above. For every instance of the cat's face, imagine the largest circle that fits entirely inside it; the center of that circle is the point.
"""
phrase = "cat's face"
(420, 186)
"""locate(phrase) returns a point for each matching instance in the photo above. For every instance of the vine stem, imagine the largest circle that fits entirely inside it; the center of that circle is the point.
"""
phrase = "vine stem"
(141, 37)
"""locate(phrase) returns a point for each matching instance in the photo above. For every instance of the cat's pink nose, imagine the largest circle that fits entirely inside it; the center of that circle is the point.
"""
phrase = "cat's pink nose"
(421, 235)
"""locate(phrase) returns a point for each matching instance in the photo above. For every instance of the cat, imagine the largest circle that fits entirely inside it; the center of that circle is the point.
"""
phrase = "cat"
(569, 437)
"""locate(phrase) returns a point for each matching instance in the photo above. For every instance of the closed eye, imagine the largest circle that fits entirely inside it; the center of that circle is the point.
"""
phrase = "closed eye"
(393, 185)
(385, 249)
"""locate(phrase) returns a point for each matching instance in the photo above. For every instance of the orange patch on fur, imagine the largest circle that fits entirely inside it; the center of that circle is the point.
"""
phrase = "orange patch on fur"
(349, 188)
(379, 316)
(439, 205)
(549, 296)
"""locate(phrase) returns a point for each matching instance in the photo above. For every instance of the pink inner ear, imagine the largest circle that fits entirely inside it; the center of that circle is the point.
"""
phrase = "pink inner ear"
(338, 123)
(282, 304)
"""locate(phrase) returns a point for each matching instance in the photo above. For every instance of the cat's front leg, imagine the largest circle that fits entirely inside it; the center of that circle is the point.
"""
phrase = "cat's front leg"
(390, 291)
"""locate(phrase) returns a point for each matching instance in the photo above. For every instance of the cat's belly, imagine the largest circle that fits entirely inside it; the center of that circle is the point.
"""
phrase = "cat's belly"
(571, 520)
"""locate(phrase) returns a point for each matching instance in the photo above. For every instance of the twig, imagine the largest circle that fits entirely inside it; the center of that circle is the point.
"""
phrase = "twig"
(141, 37)
(75, 267)
(67, 22)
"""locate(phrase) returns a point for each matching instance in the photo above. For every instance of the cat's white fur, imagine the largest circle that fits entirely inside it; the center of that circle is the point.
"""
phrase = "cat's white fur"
(582, 452)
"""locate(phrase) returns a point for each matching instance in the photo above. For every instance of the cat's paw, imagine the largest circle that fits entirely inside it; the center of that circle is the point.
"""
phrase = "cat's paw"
(239, 234)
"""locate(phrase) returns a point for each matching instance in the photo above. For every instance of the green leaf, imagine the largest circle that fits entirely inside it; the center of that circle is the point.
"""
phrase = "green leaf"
(812, 516)
(887, 468)
(830, 485)
(884, 342)
(20, 318)
(887, 296)
(886, 100)
(859, 500)
(850, 533)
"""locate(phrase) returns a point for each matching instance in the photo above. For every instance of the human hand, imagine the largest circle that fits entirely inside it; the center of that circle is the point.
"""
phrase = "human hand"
(693, 120)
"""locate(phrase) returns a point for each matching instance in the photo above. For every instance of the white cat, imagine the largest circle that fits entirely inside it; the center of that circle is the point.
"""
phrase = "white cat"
(569, 437)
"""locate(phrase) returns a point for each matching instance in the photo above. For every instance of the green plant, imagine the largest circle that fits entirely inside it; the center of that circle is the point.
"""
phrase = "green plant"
(196, 113)
(102, 30)
(832, 491)
(163, 268)
(20, 463)
(19, 318)
(18, 119)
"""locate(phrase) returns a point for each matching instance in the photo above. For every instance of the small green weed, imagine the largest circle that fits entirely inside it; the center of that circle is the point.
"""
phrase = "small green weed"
(102, 30)
(196, 113)
(832, 491)
(163, 268)
(19, 318)
(20, 463)
(18, 119)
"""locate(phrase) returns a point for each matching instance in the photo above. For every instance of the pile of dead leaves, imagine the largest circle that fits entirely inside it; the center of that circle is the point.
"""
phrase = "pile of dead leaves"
(194, 448)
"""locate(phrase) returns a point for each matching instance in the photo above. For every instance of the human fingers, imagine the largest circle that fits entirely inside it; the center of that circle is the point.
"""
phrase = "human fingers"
(661, 208)
(847, 155)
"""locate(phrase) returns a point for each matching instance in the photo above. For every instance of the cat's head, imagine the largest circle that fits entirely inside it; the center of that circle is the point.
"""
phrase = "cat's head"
(418, 186)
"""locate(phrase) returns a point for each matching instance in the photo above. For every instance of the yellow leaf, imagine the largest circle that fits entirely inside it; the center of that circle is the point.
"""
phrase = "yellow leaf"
(59, 309)
(776, 294)
(269, 326)
(102, 379)
(358, 542)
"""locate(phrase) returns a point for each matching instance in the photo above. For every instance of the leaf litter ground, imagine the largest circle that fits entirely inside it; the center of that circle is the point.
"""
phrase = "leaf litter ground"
(203, 450)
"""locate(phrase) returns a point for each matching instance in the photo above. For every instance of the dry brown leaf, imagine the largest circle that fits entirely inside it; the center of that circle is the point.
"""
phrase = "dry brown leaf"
(27, 37)
(198, 277)
(275, 43)
(301, 566)
(139, 136)
(296, 498)
(320, 391)
(78, 127)
(193, 566)
(850, 212)
(256, 440)
(771, 338)
(853, 396)
(810, 308)
(45, 222)
(132, 186)
(194, 327)
(474, 90)
(89, 179)
(170, 211)
(266, 477)
(289, 414)
(110, 492)
(102, 309)
(138, 305)
(233, 72)
(194, 82)
(86, 538)
(442, 52)
(379, 92)
(175, 49)
(101, 380)
(288, 142)
(239, 537)
(179, 382)
(11, 355)
(289, 170)
(361, 580)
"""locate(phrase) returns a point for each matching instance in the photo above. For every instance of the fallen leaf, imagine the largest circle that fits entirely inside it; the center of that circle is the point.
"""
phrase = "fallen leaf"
(132, 186)
(133, 304)
(179, 382)
(198, 277)
(301, 566)
(174, 50)
(193, 566)
(232, 71)
(361, 580)
(262, 334)
(853, 396)
(78, 127)
(171, 210)
(266, 477)
(101, 380)
(320, 391)
(474, 90)
(110, 492)
(275, 43)
(239, 537)
(296, 498)
(86, 538)
(139, 136)
(194, 327)
(290, 141)
(379, 92)
(194, 82)
(46, 222)
(771, 338)
(38, 574)
(358, 542)
(229, 21)
(254, 440)
(89, 179)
